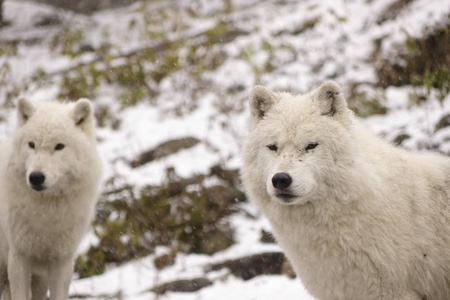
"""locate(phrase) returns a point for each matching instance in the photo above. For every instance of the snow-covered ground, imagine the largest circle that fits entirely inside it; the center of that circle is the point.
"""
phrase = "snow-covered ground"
(134, 279)
(286, 45)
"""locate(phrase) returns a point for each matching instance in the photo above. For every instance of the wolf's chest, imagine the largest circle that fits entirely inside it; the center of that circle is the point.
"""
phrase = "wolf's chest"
(44, 231)
(329, 263)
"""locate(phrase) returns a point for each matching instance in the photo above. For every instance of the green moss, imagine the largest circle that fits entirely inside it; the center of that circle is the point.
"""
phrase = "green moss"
(215, 33)
(38, 75)
(167, 66)
(247, 53)
(91, 264)
(439, 79)
(311, 23)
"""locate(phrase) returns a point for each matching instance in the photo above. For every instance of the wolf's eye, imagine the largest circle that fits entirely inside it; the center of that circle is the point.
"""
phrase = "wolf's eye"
(59, 146)
(272, 147)
(311, 146)
(31, 144)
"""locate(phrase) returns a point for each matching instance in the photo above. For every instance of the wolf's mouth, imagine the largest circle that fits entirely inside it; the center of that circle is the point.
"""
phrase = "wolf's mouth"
(286, 197)
(38, 187)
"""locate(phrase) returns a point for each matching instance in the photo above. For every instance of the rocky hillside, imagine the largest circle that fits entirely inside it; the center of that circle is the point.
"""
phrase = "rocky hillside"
(170, 81)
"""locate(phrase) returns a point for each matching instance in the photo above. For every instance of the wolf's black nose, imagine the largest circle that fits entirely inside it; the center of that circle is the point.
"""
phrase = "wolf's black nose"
(37, 178)
(281, 180)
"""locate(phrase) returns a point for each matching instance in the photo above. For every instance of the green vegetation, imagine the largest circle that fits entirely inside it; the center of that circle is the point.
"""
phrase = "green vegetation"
(138, 74)
(364, 105)
(184, 214)
(68, 42)
(423, 62)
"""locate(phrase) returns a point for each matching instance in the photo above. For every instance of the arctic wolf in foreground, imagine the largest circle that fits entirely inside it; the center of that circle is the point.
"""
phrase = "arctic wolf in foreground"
(357, 217)
(49, 181)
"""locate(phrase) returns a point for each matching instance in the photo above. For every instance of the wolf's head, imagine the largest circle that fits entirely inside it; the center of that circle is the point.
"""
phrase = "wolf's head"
(54, 144)
(297, 145)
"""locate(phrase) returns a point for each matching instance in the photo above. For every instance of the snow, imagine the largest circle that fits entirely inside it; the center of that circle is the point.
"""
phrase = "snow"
(338, 47)
(131, 279)
(134, 278)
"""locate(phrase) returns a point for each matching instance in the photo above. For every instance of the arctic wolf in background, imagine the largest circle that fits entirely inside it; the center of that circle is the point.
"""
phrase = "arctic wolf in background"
(49, 182)
(357, 217)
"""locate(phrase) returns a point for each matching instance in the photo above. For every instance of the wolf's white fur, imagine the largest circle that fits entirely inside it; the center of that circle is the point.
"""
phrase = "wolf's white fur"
(369, 221)
(40, 230)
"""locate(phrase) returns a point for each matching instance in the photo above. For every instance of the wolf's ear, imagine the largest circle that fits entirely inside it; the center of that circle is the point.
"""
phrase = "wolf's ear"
(83, 115)
(25, 109)
(261, 101)
(330, 99)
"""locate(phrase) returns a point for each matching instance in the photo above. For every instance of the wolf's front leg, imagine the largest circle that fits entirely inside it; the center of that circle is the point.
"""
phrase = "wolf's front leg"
(60, 273)
(3, 278)
(39, 287)
(6, 293)
(19, 275)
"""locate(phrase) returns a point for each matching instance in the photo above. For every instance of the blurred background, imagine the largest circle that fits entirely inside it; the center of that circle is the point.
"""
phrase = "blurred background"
(170, 80)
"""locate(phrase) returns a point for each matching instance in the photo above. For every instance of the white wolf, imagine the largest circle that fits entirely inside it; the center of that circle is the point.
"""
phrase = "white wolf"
(357, 217)
(49, 181)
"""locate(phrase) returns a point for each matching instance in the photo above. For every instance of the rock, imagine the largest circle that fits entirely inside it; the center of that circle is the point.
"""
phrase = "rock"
(1, 11)
(251, 266)
(400, 138)
(286, 269)
(224, 196)
(443, 122)
(47, 20)
(164, 149)
(267, 237)
(87, 48)
(216, 241)
(164, 260)
(86, 6)
(185, 285)
(393, 10)
(230, 176)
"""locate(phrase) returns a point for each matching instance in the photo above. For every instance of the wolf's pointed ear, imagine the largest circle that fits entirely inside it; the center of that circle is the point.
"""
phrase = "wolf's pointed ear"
(330, 99)
(25, 109)
(83, 115)
(261, 101)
